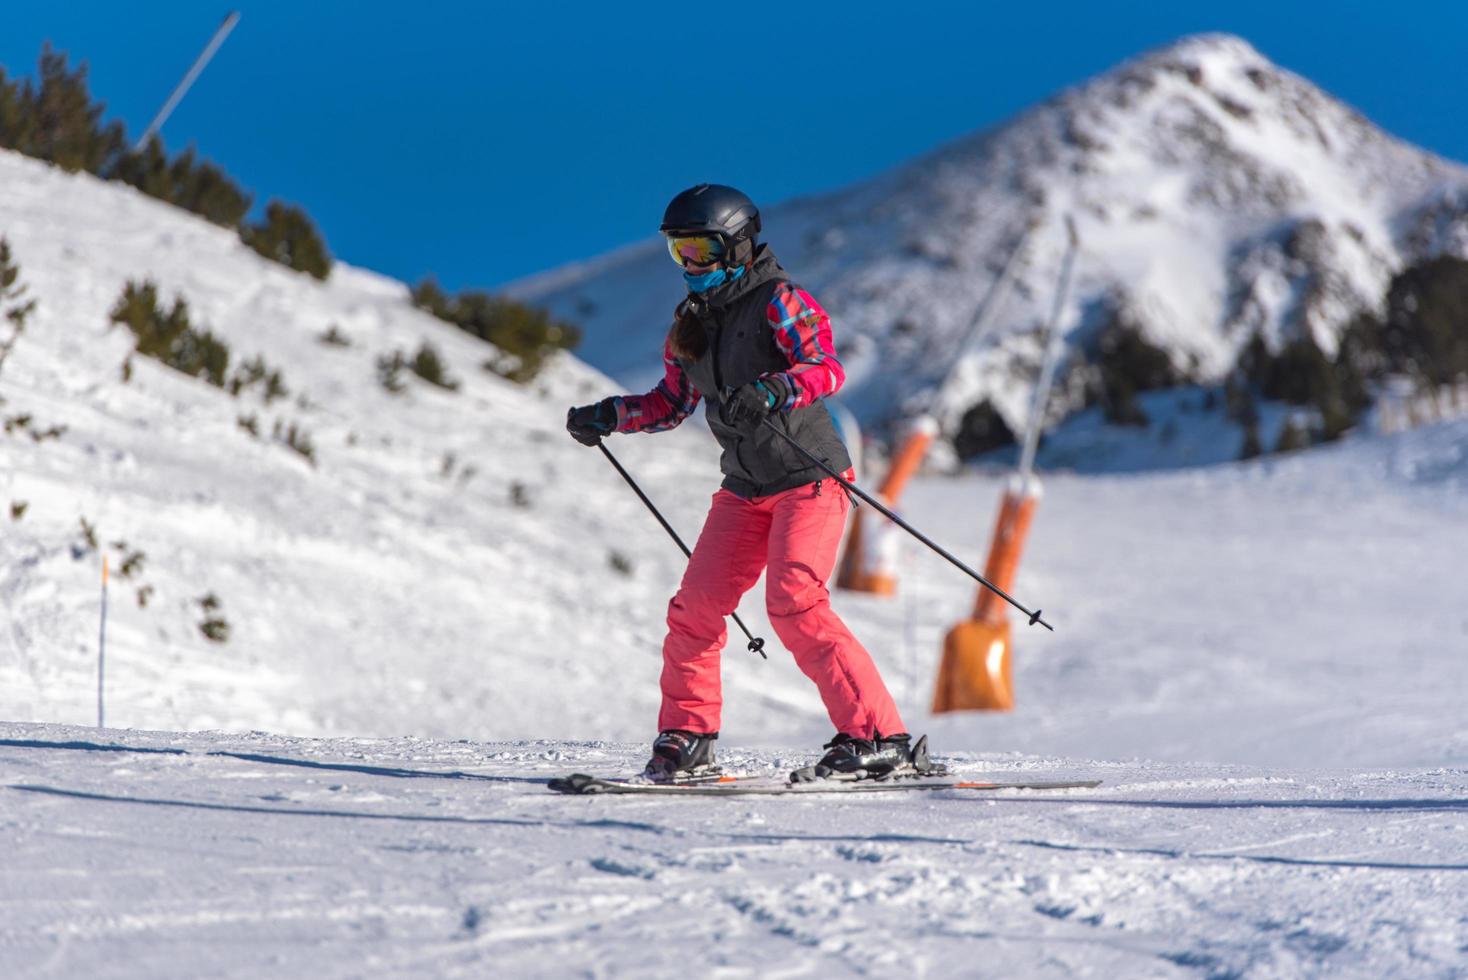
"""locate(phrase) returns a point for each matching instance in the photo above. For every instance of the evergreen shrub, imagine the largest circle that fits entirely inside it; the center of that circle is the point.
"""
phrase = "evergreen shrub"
(1423, 333)
(1127, 364)
(288, 236)
(15, 307)
(168, 336)
(526, 337)
(53, 117)
(429, 366)
(200, 187)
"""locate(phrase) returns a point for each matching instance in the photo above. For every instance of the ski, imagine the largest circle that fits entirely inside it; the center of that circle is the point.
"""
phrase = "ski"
(581, 784)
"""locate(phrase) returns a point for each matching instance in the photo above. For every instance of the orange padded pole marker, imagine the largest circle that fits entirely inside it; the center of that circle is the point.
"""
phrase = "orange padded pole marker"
(871, 550)
(1016, 512)
(976, 672)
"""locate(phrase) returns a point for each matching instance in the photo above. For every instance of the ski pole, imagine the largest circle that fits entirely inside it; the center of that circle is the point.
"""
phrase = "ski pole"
(887, 513)
(756, 644)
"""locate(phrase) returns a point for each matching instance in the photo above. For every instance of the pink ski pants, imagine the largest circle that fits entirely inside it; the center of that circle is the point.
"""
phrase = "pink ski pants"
(795, 533)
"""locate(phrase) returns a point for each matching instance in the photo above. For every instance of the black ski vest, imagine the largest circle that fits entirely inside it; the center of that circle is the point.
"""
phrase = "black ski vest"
(741, 347)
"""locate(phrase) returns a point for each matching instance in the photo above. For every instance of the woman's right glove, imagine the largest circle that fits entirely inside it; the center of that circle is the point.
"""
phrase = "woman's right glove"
(588, 423)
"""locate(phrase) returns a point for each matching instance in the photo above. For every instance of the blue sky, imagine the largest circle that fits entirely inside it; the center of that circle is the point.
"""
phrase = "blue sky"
(486, 141)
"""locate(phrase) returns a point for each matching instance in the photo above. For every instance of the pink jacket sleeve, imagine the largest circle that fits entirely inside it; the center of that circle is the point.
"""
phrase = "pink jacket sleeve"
(803, 333)
(667, 405)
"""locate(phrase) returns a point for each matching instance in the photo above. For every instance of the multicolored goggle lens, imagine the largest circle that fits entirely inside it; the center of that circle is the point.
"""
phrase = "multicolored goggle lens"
(696, 249)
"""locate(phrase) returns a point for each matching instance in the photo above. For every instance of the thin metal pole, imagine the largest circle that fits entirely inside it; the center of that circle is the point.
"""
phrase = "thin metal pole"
(1052, 355)
(102, 647)
(188, 80)
(756, 644)
(887, 513)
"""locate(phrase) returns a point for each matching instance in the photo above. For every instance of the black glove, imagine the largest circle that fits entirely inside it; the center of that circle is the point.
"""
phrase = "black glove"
(752, 402)
(588, 423)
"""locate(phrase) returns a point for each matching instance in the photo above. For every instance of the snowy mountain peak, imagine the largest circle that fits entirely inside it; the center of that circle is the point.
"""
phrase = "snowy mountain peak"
(1205, 57)
(1217, 195)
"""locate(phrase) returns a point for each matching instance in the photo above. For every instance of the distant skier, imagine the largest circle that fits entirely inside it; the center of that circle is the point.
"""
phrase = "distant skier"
(757, 346)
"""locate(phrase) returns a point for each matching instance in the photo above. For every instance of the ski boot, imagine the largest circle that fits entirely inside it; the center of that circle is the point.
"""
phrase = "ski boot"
(882, 757)
(679, 756)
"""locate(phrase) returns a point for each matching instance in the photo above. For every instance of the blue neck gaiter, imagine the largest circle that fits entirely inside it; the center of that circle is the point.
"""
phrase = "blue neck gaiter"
(707, 281)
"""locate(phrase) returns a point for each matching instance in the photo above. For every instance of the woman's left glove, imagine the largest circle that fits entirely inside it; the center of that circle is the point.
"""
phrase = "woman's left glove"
(588, 423)
(752, 402)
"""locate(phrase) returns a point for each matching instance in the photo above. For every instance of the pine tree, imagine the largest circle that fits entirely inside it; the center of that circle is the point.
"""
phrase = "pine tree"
(63, 125)
(1127, 364)
(525, 336)
(15, 115)
(1423, 334)
(207, 191)
(428, 295)
(1301, 374)
(199, 187)
(54, 118)
(288, 236)
(146, 169)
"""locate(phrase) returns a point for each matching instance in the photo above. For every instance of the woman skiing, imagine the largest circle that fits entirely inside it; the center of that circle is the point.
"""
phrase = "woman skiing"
(756, 346)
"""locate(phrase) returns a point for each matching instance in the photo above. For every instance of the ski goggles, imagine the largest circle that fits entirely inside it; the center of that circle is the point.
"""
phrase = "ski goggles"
(689, 250)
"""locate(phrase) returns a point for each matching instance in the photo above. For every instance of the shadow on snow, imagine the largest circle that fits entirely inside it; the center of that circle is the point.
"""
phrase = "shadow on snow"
(392, 771)
(602, 823)
(1258, 858)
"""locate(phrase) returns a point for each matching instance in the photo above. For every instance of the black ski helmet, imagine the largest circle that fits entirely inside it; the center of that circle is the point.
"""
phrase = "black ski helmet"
(718, 210)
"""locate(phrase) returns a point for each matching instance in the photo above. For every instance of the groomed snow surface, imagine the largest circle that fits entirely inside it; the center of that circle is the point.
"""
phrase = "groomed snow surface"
(1284, 641)
(1303, 617)
(143, 854)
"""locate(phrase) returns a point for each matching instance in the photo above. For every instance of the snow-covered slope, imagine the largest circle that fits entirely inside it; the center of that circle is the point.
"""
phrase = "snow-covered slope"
(134, 854)
(1304, 611)
(1216, 195)
(445, 565)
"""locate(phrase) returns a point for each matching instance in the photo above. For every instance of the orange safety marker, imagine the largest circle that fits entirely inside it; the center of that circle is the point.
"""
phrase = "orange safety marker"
(976, 672)
(870, 562)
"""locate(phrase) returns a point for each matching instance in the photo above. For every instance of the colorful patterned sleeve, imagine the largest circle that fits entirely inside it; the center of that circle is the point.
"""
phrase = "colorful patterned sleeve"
(667, 405)
(803, 332)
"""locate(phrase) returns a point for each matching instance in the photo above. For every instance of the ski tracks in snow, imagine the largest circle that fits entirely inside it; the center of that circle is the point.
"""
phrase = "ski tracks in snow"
(136, 854)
